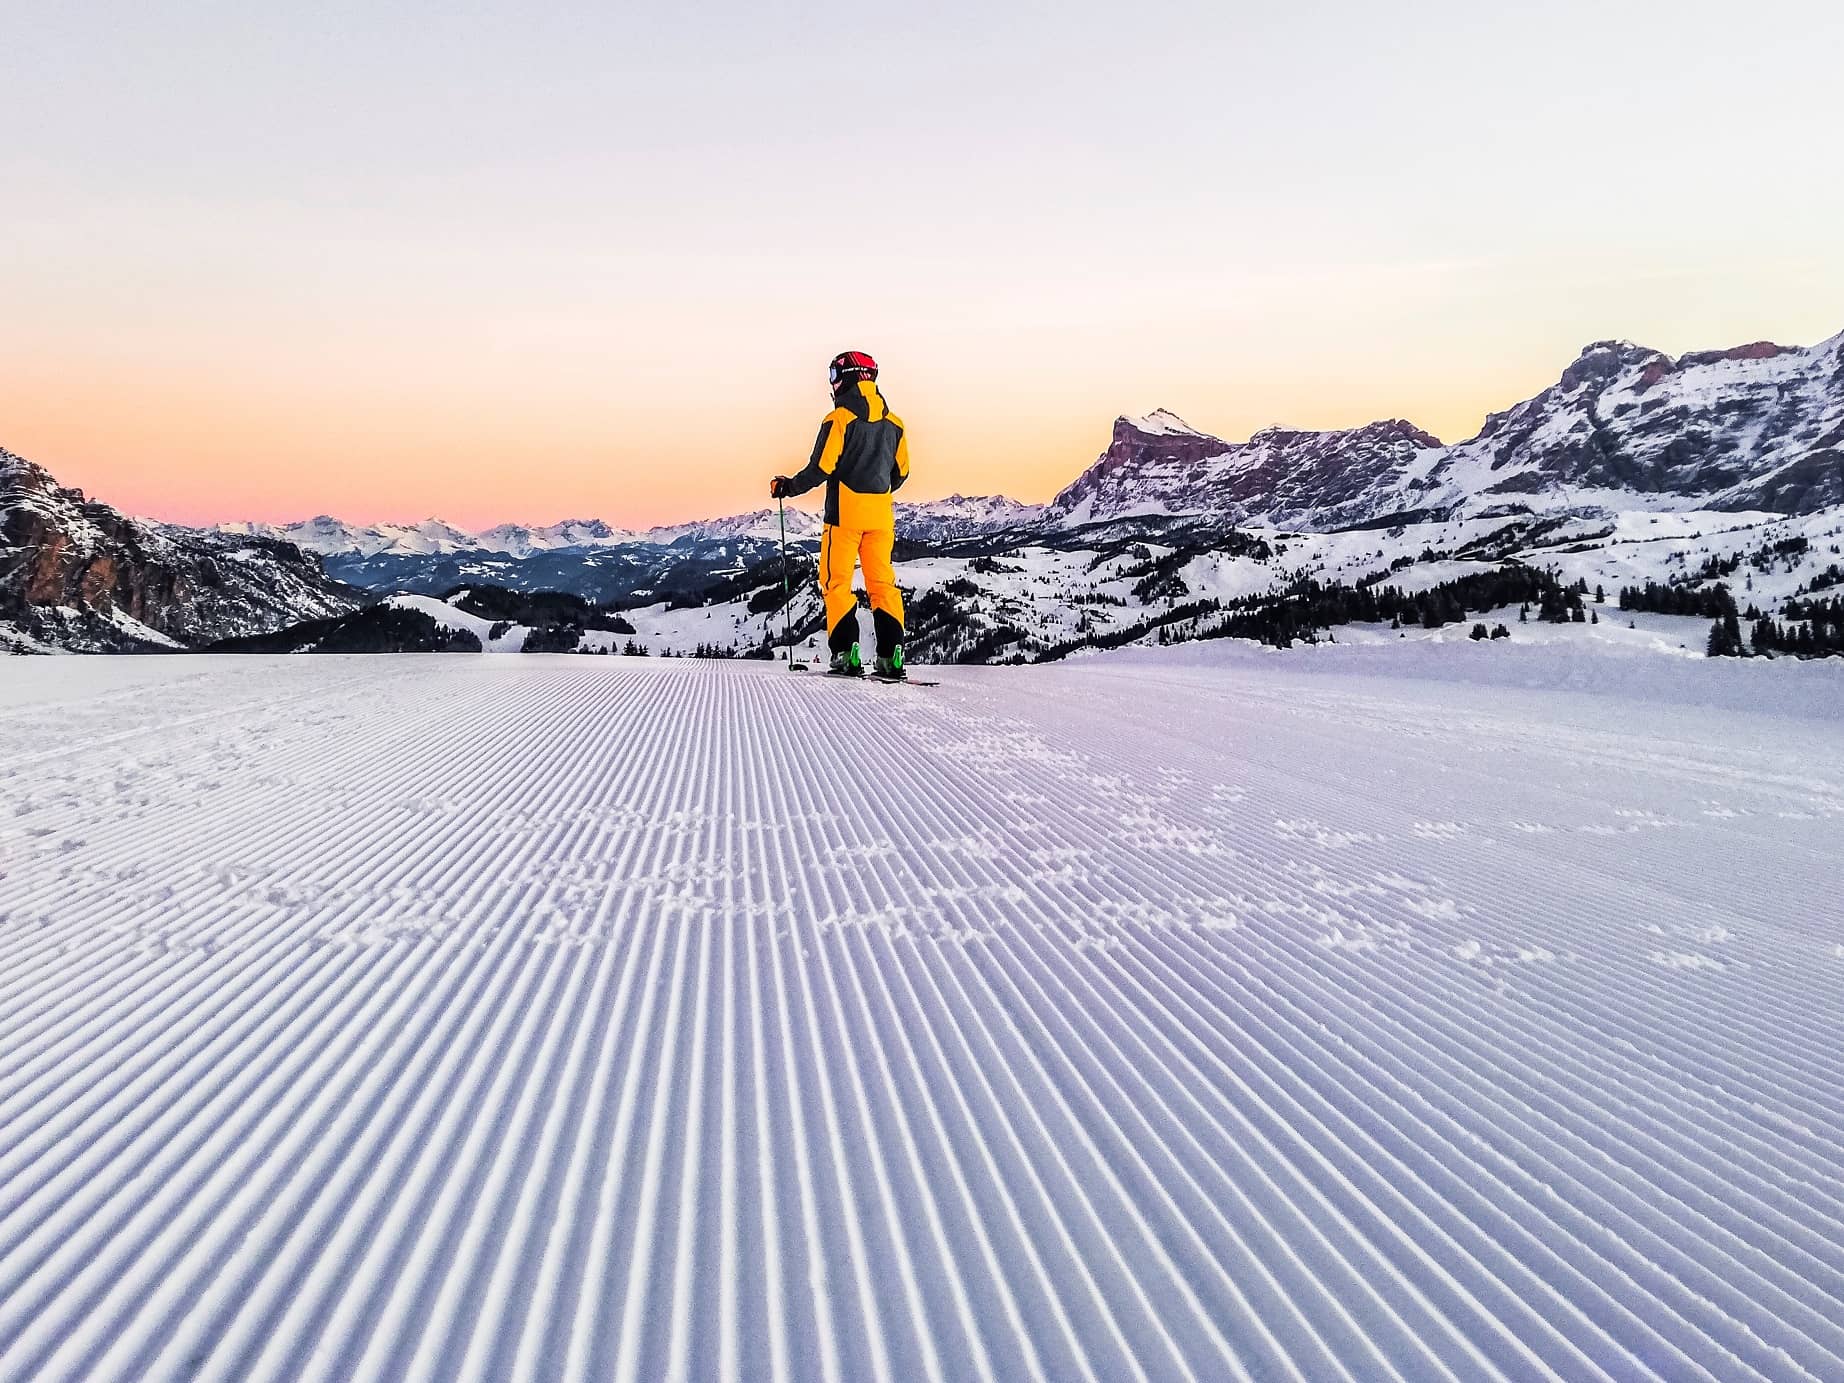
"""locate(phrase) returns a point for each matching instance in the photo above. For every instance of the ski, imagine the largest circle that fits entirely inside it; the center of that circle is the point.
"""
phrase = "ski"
(887, 681)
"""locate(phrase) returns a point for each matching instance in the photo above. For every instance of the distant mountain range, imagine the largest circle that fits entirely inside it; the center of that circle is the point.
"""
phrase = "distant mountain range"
(1756, 430)
(930, 521)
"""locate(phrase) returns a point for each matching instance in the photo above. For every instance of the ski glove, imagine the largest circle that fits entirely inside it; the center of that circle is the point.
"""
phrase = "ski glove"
(778, 488)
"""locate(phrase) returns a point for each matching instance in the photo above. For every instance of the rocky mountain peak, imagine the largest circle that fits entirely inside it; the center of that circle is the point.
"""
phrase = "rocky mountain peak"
(1605, 360)
(20, 476)
(1161, 422)
(1160, 449)
(87, 576)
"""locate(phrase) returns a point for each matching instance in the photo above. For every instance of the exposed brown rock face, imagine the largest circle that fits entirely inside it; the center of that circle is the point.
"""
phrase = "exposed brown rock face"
(69, 566)
(1754, 350)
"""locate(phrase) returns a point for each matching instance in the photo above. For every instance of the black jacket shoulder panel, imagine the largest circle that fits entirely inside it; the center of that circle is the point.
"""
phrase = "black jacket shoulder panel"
(862, 451)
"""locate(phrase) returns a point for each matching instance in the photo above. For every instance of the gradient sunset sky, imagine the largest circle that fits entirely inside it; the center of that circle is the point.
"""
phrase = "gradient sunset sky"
(504, 263)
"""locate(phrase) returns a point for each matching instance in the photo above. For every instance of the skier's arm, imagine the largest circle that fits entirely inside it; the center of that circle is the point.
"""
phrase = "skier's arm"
(826, 450)
(902, 455)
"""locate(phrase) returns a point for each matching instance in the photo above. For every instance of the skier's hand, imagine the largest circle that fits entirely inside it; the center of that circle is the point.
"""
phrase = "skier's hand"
(778, 487)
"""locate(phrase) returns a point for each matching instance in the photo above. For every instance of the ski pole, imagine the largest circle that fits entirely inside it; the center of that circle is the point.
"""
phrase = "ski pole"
(787, 590)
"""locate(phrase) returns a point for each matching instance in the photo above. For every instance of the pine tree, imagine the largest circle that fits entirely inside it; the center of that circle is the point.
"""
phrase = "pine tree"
(1726, 638)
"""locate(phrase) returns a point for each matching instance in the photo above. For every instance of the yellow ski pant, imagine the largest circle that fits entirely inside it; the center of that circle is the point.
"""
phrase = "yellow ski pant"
(841, 549)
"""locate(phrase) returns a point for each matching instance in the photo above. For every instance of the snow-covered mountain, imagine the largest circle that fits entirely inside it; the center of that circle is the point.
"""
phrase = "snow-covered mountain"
(964, 516)
(1758, 428)
(958, 516)
(330, 537)
(517, 540)
(1288, 478)
(77, 574)
(327, 535)
(761, 524)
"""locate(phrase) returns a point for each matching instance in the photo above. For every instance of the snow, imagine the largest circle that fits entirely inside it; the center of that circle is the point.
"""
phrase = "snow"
(1424, 576)
(1059, 594)
(765, 524)
(446, 616)
(1162, 422)
(327, 535)
(1210, 1014)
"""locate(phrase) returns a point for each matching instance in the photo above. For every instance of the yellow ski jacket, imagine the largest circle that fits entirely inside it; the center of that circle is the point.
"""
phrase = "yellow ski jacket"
(862, 457)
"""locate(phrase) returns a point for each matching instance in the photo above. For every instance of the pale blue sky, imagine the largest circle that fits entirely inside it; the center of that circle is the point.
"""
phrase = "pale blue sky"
(463, 259)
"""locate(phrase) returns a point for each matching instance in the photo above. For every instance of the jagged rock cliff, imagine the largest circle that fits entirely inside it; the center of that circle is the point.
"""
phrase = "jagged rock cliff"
(78, 574)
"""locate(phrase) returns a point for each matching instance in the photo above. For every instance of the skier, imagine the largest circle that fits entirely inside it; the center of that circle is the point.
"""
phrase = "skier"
(862, 456)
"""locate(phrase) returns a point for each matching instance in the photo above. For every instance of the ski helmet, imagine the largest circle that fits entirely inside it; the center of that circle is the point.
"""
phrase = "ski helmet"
(850, 365)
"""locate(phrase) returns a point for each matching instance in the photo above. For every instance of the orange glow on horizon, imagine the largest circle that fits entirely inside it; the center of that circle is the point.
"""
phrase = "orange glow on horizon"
(481, 420)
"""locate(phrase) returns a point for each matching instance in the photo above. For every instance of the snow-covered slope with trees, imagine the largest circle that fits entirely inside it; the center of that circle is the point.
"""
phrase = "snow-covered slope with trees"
(1030, 597)
(1213, 1015)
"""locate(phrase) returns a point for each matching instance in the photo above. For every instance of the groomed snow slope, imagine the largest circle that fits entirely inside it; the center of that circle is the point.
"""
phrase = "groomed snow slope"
(602, 1018)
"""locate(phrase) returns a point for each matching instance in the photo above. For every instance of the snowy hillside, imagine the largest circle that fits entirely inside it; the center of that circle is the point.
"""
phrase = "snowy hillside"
(1035, 597)
(1212, 1014)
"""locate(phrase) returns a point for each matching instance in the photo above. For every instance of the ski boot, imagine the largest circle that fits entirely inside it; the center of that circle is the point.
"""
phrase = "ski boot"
(890, 668)
(846, 662)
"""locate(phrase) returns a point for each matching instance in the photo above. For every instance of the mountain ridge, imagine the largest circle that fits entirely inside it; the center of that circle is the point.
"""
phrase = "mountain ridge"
(1752, 427)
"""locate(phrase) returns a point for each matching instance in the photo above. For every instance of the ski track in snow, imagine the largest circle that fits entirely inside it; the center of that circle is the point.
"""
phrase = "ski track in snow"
(605, 1018)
